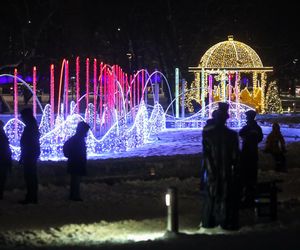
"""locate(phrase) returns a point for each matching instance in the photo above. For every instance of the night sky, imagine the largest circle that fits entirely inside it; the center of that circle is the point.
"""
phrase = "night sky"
(158, 34)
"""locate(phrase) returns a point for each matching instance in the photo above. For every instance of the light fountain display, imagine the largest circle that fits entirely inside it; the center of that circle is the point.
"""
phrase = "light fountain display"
(116, 105)
(116, 111)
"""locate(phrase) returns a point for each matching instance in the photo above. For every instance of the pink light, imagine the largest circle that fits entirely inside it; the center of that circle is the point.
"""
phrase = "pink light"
(87, 85)
(126, 90)
(236, 87)
(77, 83)
(210, 88)
(122, 86)
(209, 92)
(143, 84)
(101, 89)
(229, 87)
(16, 99)
(138, 89)
(52, 95)
(133, 87)
(16, 93)
(105, 87)
(105, 93)
(66, 88)
(34, 91)
(95, 92)
(117, 98)
(130, 86)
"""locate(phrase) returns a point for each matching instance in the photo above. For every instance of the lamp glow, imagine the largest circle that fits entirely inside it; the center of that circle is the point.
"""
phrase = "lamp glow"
(168, 200)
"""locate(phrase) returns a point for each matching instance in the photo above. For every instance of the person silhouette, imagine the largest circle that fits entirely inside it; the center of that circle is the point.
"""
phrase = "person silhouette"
(220, 154)
(210, 124)
(74, 150)
(30, 152)
(5, 159)
(251, 135)
(275, 145)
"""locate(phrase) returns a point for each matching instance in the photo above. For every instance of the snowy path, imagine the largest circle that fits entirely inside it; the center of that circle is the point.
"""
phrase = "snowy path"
(134, 210)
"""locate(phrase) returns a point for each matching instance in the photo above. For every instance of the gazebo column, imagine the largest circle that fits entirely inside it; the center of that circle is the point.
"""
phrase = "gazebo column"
(210, 80)
(202, 92)
(223, 85)
(237, 95)
(229, 87)
(197, 85)
(254, 80)
(263, 87)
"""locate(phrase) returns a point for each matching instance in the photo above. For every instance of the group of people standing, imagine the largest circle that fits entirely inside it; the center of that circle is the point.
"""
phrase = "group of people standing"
(74, 149)
(228, 174)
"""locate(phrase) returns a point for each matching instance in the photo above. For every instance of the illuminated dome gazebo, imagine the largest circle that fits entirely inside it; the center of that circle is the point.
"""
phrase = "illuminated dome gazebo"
(218, 75)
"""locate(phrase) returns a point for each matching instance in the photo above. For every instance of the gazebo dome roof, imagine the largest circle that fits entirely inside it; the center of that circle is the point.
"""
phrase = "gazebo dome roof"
(230, 54)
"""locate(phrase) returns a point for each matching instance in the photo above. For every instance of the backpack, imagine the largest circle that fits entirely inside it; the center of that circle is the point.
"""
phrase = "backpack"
(67, 148)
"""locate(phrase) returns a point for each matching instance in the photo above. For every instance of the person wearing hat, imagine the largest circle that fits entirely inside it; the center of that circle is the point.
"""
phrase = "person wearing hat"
(5, 159)
(251, 135)
(75, 150)
(30, 152)
(220, 163)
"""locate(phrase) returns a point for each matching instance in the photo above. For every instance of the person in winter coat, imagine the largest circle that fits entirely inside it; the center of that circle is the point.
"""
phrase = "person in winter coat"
(30, 152)
(275, 145)
(251, 135)
(220, 154)
(5, 159)
(75, 150)
(210, 124)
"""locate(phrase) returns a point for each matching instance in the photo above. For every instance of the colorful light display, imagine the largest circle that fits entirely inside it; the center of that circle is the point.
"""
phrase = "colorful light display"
(118, 125)
(273, 102)
(227, 61)
(118, 114)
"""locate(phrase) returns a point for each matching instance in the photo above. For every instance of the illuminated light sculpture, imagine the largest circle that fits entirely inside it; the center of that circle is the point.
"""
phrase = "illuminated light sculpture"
(198, 120)
(227, 62)
(273, 102)
(116, 129)
(119, 115)
(52, 95)
(122, 136)
(77, 83)
(34, 91)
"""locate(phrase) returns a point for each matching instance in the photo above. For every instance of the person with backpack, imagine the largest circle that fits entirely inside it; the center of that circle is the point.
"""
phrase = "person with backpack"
(75, 150)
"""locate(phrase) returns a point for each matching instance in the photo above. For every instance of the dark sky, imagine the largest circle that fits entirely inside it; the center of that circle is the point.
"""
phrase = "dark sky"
(158, 34)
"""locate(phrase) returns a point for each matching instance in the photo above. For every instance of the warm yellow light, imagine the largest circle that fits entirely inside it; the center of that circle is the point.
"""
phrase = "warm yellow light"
(230, 54)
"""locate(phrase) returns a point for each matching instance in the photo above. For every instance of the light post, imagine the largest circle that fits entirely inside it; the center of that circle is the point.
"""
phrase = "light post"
(172, 207)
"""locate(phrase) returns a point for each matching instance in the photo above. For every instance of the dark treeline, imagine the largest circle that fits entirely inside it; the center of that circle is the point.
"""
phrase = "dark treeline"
(144, 34)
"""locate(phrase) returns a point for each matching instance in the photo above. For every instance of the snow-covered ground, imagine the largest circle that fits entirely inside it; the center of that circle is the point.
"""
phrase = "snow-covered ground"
(127, 211)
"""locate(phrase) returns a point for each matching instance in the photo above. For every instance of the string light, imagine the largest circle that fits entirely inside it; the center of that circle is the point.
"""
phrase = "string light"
(229, 58)
(273, 102)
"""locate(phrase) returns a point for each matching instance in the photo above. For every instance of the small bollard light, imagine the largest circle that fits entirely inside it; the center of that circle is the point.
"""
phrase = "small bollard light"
(171, 203)
(168, 200)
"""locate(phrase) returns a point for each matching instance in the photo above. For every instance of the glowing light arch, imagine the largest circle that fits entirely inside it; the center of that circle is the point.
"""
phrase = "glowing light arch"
(221, 66)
